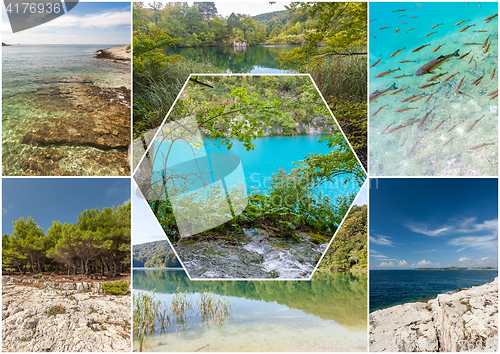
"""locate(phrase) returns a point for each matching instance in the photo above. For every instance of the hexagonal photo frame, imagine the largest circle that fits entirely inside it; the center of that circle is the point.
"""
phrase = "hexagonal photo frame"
(249, 176)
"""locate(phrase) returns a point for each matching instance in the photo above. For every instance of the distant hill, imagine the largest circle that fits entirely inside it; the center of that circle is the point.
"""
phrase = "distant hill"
(157, 254)
(280, 18)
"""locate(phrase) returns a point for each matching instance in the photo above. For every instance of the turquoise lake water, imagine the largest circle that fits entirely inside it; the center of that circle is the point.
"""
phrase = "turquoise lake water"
(327, 313)
(252, 60)
(394, 287)
(450, 142)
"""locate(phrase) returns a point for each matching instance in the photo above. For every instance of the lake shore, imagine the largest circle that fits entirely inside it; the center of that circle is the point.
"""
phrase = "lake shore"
(45, 315)
(465, 320)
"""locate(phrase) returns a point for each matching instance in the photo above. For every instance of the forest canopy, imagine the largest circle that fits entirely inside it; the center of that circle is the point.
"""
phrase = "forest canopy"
(99, 241)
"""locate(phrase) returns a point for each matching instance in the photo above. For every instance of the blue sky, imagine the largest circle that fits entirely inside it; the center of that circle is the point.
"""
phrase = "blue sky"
(87, 23)
(58, 199)
(433, 222)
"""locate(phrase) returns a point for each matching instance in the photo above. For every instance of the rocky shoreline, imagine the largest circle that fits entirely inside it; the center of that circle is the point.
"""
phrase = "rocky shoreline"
(43, 315)
(466, 320)
(123, 53)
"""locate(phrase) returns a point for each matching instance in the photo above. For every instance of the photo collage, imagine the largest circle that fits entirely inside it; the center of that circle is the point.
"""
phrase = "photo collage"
(256, 176)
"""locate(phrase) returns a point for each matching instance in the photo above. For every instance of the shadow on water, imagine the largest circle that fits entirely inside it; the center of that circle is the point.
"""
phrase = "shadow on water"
(341, 297)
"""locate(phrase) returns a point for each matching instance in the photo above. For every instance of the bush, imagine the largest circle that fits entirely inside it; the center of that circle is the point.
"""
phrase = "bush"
(115, 287)
(56, 310)
(37, 276)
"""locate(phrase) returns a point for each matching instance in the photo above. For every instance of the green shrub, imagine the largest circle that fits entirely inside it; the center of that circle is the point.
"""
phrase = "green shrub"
(37, 276)
(56, 310)
(115, 287)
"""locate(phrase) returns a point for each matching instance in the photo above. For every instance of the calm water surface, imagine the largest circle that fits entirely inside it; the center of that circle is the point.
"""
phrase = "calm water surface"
(327, 312)
(394, 287)
(252, 60)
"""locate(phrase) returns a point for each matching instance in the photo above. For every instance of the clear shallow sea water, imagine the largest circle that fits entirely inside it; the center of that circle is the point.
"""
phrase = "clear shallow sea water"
(395, 287)
(435, 154)
(327, 313)
(29, 73)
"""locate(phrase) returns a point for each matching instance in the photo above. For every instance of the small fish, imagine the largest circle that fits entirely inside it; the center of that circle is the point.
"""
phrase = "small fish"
(448, 78)
(373, 36)
(400, 76)
(493, 74)
(435, 77)
(378, 61)
(428, 85)
(486, 41)
(494, 96)
(376, 94)
(398, 91)
(475, 147)
(466, 28)
(385, 73)
(399, 110)
(475, 64)
(463, 93)
(413, 147)
(410, 122)
(373, 20)
(427, 100)
(420, 48)
(459, 23)
(470, 60)
(403, 23)
(413, 17)
(410, 97)
(449, 130)
(492, 92)
(406, 61)
(473, 125)
(381, 28)
(481, 31)
(459, 84)
(487, 48)
(437, 25)
(439, 125)
(400, 10)
(489, 18)
(478, 80)
(449, 140)
(397, 52)
(463, 56)
(437, 48)
(419, 5)
(392, 130)
(387, 128)
(422, 121)
(396, 31)
(410, 30)
(430, 34)
(378, 110)
(468, 43)
(402, 16)
(418, 98)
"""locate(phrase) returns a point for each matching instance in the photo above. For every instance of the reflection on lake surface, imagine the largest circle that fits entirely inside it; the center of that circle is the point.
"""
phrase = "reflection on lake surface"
(253, 60)
(328, 313)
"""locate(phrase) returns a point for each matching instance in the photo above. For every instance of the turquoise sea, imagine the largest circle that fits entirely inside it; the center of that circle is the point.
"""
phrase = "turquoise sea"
(459, 137)
(395, 287)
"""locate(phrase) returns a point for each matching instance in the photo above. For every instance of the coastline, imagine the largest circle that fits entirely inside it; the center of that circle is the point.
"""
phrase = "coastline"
(466, 319)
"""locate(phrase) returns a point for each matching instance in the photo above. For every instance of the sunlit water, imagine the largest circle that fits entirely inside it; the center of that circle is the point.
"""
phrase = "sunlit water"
(29, 73)
(326, 314)
(455, 147)
(252, 60)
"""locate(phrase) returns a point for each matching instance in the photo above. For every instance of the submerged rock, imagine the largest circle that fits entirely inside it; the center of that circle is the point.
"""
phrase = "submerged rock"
(466, 320)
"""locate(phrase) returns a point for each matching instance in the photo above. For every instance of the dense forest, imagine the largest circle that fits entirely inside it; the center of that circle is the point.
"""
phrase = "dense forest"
(157, 254)
(98, 242)
(332, 38)
(349, 250)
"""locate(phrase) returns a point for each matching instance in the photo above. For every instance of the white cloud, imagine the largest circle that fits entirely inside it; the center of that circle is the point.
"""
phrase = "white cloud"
(424, 263)
(400, 264)
(481, 262)
(466, 260)
(102, 20)
(381, 240)
(488, 242)
(403, 264)
(424, 229)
